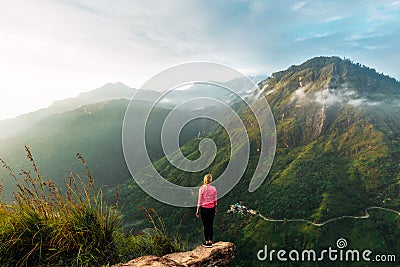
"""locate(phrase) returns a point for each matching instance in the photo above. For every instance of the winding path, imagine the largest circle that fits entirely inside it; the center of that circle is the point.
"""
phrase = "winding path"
(330, 220)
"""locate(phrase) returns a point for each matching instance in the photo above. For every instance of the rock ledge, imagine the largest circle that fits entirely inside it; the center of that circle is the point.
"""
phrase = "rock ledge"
(221, 254)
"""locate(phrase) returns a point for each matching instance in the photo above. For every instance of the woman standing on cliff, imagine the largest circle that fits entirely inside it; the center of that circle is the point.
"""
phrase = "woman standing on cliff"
(207, 208)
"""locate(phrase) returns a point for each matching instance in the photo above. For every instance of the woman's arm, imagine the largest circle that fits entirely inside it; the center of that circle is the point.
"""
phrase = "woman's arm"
(215, 201)
(199, 203)
(215, 198)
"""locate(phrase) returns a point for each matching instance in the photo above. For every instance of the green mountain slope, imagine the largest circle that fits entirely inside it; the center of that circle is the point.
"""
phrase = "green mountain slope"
(93, 130)
(340, 133)
(11, 127)
(337, 153)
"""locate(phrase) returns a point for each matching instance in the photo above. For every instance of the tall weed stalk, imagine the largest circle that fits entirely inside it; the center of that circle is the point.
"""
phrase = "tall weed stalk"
(47, 226)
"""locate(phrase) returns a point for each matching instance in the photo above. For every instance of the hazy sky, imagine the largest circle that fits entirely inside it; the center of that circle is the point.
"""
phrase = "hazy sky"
(52, 50)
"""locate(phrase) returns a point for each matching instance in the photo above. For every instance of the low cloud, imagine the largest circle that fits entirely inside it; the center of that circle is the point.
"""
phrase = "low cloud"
(356, 102)
(335, 96)
(298, 95)
(327, 97)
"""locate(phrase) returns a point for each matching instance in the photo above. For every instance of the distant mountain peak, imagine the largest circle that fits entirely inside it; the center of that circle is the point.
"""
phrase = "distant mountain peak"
(322, 90)
(112, 86)
(107, 92)
(336, 75)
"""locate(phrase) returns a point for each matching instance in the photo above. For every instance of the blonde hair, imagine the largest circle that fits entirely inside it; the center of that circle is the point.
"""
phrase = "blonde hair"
(207, 179)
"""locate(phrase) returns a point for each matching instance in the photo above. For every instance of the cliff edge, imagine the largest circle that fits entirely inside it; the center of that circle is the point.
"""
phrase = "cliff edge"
(221, 254)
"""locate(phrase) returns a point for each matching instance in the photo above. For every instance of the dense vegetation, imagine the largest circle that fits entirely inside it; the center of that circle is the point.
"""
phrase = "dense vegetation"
(93, 130)
(333, 159)
(47, 227)
(338, 152)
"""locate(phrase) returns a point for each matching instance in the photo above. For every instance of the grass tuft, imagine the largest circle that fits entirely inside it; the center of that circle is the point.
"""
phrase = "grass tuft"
(47, 226)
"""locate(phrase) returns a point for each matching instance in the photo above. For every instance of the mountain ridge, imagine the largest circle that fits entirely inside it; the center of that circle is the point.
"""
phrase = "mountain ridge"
(10, 127)
(337, 153)
(336, 156)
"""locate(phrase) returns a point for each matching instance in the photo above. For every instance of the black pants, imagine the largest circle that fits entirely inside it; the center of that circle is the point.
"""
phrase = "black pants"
(207, 216)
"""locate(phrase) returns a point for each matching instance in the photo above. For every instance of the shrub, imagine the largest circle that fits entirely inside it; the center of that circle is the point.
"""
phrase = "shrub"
(46, 226)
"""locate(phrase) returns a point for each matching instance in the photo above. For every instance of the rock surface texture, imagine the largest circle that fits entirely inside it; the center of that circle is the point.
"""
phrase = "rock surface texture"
(221, 254)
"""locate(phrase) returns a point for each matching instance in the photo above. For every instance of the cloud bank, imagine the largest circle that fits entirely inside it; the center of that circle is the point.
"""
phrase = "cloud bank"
(57, 49)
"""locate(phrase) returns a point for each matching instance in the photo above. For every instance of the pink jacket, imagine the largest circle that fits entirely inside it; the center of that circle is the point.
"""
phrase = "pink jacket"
(207, 196)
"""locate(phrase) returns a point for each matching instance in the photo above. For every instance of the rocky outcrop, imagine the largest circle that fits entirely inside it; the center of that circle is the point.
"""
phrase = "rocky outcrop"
(221, 254)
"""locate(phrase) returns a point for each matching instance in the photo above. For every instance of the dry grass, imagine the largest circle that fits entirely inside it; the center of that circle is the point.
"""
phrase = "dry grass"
(45, 226)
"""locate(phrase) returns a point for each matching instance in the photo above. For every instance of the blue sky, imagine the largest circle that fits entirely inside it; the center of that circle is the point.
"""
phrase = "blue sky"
(52, 50)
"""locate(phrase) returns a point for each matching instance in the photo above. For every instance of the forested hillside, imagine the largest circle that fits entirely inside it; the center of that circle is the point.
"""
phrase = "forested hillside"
(337, 154)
